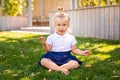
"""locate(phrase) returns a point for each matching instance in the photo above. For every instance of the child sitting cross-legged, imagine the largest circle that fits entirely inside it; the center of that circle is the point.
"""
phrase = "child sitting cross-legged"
(59, 45)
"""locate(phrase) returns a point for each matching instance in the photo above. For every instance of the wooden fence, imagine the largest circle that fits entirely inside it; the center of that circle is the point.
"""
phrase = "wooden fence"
(96, 22)
(12, 22)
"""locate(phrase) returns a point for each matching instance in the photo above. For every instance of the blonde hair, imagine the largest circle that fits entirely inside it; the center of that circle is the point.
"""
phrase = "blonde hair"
(61, 14)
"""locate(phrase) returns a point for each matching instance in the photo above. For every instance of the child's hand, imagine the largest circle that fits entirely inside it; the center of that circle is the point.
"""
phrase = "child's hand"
(86, 53)
(42, 40)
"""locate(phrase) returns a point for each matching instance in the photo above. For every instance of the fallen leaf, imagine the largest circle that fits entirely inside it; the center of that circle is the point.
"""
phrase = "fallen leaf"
(115, 76)
(14, 75)
(86, 78)
(44, 78)
(114, 71)
(22, 55)
(1, 55)
(88, 65)
(32, 74)
(8, 71)
(37, 73)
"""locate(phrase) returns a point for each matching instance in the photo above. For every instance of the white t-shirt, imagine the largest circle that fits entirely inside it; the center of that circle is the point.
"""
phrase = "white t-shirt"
(61, 43)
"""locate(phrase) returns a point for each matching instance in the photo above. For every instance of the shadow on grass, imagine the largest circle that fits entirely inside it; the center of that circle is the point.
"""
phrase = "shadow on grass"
(19, 57)
(104, 59)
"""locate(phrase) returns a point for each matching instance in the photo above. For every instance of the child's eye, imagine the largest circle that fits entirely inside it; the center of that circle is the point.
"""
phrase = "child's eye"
(58, 24)
(64, 24)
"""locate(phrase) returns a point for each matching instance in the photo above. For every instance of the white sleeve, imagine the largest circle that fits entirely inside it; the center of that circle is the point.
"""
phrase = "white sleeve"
(49, 40)
(73, 41)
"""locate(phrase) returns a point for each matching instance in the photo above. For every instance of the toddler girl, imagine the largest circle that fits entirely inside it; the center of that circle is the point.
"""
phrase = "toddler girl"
(59, 45)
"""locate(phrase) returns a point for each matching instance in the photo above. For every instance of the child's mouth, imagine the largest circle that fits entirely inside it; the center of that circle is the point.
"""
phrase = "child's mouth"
(61, 30)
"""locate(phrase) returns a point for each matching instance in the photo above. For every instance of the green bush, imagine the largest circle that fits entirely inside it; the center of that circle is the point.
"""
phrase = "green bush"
(13, 7)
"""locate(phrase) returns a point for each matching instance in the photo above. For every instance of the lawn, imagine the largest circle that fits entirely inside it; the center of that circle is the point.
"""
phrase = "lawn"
(20, 53)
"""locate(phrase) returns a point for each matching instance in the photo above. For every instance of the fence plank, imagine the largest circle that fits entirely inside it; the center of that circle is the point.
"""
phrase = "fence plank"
(85, 23)
(89, 23)
(111, 31)
(80, 16)
(73, 20)
(51, 20)
(106, 29)
(93, 22)
(78, 22)
(98, 22)
(82, 23)
(70, 28)
(102, 23)
(117, 23)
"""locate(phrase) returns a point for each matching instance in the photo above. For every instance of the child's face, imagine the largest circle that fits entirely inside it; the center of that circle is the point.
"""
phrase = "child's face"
(61, 25)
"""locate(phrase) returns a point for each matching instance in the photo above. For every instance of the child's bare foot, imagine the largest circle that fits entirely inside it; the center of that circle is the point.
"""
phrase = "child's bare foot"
(62, 70)
(65, 71)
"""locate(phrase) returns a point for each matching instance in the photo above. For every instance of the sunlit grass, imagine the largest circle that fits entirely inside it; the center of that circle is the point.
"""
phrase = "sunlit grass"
(107, 48)
(20, 53)
(102, 47)
(95, 58)
(117, 62)
(102, 56)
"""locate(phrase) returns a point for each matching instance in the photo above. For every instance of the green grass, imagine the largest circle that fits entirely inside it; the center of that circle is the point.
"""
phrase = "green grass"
(20, 52)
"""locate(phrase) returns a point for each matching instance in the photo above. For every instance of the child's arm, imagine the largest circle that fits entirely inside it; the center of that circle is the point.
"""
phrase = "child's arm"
(46, 47)
(80, 52)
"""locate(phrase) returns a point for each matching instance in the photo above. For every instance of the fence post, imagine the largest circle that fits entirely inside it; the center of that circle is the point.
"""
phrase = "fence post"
(42, 16)
(29, 13)
(108, 2)
(76, 4)
(98, 2)
(73, 4)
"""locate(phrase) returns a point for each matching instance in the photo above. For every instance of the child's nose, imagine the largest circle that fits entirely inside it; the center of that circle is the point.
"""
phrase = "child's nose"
(61, 26)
